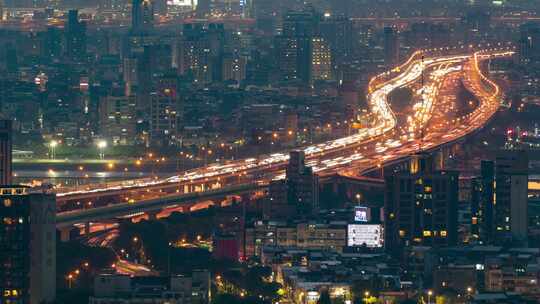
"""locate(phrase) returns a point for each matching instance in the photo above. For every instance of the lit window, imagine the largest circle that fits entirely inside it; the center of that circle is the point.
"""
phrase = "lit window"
(443, 233)
(427, 233)
(7, 202)
(402, 233)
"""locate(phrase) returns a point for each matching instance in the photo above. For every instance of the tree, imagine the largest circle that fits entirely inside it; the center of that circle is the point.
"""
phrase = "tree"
(324, 298)
(408, 301)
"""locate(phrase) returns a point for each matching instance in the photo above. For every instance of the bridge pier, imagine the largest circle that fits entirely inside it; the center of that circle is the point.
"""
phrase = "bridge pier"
(65, 233)
(186, 209)
(441, 157)
(152, 215)
(87, 228)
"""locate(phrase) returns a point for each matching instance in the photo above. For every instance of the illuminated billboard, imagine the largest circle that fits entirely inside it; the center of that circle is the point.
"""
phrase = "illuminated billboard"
(361, 214)
(365, 235)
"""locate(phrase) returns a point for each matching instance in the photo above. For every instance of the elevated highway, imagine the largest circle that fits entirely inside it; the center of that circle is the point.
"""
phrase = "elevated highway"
(382, 143)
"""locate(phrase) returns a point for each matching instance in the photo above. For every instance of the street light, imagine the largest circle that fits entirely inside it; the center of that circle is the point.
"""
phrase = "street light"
(429, 294)
(70, 279)
(102, 144)
(366, 296)
(52, 145)
(469, 293)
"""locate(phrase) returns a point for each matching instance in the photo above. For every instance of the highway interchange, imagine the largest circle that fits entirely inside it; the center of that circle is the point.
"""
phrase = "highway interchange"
(385, 140)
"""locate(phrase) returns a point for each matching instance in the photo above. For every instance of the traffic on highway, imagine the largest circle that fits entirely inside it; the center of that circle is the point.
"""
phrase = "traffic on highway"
(370, 147)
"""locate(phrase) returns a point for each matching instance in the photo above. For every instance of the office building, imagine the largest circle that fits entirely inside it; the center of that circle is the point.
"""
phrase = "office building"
(391, 47)
(5, 151)
(511, 179)
(421, 206)
(27, 245)
(75, 36)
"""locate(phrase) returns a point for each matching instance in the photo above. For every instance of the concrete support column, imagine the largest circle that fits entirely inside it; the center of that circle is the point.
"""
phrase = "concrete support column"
(65, 233)
(152, 215)
(87, 228)
(186, 209)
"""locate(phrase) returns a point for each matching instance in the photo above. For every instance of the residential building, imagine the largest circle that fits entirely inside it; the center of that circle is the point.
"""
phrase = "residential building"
(511, 180)
(112, 288)
(391, 47)
(27, 245)
(118, 119)
(421, 206)
(5, 151)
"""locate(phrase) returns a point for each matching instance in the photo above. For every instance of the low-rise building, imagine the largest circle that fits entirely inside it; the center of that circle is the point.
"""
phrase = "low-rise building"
(331, 236)
(177, 289)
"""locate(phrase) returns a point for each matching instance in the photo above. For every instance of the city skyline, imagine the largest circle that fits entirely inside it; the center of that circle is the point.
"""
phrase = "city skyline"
(301, 152)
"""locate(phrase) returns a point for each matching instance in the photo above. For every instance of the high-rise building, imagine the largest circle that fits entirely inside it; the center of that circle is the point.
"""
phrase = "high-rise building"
(118, 119)
(130, 74)
(142, 16)
(52, 43)
(200, 53)
(5, 151)
(529, 43)
(391, 47)
(295, 45)
(421, 206)
(511, 186)
(296, 165)
(482, 203)
(160, 7)
(298, 194)
(234, 68)
(321, 60)
(305, 53)
(204, 8)
(303, 184)
(27, 245)
(337, 32)
(75, 36)
(342, 7)
(165, 113)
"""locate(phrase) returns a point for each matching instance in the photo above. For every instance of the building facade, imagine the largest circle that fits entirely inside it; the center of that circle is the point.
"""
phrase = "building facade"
(421, 206)
(27, 245)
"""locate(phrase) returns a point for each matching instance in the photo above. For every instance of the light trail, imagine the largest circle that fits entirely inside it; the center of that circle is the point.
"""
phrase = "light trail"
(319, 155)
